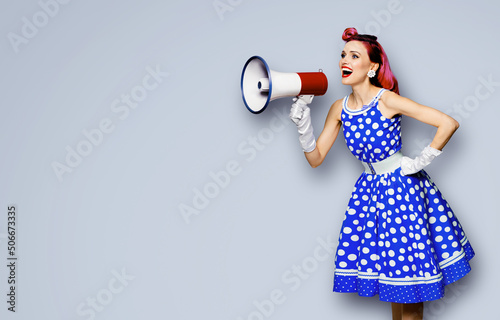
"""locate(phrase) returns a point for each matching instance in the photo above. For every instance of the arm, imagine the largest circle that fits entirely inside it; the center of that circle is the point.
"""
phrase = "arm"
(327, 136)
(393, 104)
(315, 152)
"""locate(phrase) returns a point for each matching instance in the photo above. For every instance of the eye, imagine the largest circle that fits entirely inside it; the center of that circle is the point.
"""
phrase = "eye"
(342, 55)
(355, 56)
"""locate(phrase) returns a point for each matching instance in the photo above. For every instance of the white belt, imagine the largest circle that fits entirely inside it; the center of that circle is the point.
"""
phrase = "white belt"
(385, 166)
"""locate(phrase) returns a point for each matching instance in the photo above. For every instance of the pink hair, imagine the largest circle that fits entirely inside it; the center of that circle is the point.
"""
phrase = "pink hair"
(385, 78)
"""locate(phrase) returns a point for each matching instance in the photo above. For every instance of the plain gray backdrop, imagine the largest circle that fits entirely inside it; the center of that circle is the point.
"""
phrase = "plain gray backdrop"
(144, 189)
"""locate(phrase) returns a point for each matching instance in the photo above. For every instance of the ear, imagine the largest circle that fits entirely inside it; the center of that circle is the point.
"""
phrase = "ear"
(374, 66)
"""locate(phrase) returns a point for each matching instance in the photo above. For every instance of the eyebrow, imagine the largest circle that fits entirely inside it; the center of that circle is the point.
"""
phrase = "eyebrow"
(352, 51)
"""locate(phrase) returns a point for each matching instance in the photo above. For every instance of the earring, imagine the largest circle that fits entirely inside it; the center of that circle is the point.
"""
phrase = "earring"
(371, 73)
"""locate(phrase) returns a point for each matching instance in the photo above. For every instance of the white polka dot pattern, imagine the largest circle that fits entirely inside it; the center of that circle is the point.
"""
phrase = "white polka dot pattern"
(400, 238)
(370, 136)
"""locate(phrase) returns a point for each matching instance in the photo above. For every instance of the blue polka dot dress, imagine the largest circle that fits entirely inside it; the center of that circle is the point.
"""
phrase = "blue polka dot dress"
(399, 238)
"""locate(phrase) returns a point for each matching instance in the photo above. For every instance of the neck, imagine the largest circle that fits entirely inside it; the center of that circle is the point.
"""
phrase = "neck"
(363, 93)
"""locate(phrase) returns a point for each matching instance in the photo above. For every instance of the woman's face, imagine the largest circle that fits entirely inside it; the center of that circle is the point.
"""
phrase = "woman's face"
(354, 63)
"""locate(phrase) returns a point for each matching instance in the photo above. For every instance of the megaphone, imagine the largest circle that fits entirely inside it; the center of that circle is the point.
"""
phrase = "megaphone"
(260, 85)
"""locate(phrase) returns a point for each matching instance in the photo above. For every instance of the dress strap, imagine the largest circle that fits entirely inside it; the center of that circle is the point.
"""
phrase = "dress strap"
(379, 94)
(344, 103)
(373, 102)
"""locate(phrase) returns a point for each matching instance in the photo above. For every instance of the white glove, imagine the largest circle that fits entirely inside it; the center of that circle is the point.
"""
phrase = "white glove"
(300, 114)
(411, 166)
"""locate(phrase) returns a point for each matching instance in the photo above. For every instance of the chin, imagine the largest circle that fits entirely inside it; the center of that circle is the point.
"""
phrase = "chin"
(346, 81)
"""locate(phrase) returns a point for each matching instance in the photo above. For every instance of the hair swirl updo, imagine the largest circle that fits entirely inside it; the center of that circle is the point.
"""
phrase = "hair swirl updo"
(385, 78)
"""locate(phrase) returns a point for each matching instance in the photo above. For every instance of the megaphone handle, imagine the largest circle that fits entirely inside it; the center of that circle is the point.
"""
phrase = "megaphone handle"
(300, 114)
(303, 99)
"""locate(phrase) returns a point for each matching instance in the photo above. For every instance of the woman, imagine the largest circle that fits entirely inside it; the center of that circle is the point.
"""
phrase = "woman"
(400, 238)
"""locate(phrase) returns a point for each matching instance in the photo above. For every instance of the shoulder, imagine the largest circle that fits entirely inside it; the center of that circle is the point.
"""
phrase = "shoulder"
(337, 104)
(336, 110)
(392, 104)
(388, 97)
(395, 101)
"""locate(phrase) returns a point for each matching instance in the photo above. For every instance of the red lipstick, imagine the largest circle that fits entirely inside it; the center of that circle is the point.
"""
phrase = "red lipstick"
(346, 72)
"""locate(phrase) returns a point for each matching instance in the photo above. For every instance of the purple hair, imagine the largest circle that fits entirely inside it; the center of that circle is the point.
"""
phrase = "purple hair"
(385, 78)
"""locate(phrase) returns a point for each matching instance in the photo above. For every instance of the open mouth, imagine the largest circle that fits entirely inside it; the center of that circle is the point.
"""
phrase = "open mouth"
(346, 71)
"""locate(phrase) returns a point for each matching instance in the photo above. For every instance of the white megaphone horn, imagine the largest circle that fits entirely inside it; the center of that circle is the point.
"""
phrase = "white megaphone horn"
(260, 85)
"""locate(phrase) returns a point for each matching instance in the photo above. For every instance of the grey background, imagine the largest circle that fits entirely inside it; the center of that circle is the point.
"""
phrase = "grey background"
(118, 211)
